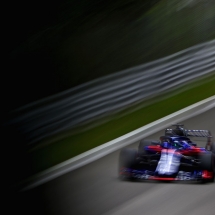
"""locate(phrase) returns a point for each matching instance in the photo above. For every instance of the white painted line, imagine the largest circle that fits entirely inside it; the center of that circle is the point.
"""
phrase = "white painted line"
(118, 143)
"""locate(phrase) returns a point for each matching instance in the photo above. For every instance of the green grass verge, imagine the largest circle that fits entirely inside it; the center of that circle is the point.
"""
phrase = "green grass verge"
(119, 124)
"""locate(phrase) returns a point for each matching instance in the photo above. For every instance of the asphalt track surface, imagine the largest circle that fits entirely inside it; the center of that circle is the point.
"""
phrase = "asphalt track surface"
(96, 190)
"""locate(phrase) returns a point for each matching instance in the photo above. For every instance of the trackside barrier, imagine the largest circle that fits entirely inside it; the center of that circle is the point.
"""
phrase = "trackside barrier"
(107, 148)
(113, 92)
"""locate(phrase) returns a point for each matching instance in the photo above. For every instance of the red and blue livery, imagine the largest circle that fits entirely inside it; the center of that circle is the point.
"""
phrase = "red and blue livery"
(173, 158)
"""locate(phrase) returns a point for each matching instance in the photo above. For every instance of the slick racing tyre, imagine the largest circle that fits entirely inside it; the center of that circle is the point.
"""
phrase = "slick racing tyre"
(213, 151)
(142, 145)
(207, 163)
(127, 159)
(213, 148)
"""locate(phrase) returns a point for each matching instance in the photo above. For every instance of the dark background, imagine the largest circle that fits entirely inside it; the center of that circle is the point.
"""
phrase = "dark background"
(35, 32)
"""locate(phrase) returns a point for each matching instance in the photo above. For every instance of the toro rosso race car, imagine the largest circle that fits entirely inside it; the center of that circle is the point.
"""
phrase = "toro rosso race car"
(173, 158)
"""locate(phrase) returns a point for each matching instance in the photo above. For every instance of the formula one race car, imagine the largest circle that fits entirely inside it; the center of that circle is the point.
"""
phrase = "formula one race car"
(173, 158)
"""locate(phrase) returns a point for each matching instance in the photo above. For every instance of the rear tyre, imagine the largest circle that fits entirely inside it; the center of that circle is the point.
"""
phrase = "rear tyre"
(213, 152)
(210, 147)
(213, 148)
(207, 163)
(142, 145)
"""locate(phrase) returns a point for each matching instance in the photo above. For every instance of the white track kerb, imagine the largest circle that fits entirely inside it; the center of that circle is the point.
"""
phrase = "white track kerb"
(118, 143)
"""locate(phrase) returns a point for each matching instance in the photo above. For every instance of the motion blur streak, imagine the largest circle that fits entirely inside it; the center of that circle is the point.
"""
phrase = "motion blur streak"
(113, 93)
(102, 150)
(94, 189)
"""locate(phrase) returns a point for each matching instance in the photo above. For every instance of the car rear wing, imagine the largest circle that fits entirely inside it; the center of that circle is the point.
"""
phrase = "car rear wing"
(188, 132)
(198, 133)
(179, 130)
(192, 133)
(202, 133)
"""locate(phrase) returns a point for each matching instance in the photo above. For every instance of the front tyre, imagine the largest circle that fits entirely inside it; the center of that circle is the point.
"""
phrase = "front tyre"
(127, 160)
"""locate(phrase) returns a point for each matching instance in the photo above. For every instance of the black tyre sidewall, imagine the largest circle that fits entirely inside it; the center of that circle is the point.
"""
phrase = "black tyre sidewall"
(127, 158)
(142, 145)
(207, 163)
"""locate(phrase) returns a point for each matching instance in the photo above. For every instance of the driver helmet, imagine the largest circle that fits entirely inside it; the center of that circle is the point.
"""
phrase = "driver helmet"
(166, 145)
(181, 144)
(185, 144)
